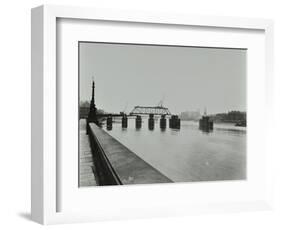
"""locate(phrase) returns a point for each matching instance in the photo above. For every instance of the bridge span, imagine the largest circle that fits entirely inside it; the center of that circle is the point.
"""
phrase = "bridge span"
(147, 110)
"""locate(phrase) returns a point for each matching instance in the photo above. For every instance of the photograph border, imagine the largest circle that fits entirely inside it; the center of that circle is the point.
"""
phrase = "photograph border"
(148, 45)
(44, 161)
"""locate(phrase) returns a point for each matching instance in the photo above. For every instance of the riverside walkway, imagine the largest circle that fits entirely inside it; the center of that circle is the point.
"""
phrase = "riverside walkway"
(120, 164)
(86, 164)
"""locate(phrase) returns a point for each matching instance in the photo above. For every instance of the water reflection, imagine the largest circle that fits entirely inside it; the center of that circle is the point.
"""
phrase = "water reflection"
(206, 131)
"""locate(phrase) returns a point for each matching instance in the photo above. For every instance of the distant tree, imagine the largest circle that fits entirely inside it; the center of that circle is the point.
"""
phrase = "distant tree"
(100, 111)
(84, 104)
(231, 116)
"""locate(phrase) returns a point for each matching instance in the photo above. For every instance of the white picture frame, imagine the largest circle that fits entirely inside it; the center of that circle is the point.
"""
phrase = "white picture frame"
(44, 174)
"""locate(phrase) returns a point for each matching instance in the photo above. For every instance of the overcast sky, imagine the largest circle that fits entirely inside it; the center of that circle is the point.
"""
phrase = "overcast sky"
(188, 78)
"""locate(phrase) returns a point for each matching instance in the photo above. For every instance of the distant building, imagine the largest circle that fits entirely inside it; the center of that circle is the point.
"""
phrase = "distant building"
(190, 115)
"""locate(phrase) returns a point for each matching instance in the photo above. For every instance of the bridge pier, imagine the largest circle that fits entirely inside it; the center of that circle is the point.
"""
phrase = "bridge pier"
(151, 122)
(205, 124)
(109, 123)
(124, 121)
(174, 122)
(138, 122)
(163, 122)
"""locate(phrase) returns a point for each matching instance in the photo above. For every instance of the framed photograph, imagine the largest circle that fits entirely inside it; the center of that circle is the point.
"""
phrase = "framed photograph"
(140, 114)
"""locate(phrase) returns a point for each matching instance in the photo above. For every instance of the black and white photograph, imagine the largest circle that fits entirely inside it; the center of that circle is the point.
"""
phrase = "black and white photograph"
(161, 114)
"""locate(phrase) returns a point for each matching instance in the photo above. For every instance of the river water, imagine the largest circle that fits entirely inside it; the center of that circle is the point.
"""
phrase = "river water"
(188, 154)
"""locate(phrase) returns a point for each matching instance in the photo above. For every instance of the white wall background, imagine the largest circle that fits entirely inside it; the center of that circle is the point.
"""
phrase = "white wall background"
(15, 113)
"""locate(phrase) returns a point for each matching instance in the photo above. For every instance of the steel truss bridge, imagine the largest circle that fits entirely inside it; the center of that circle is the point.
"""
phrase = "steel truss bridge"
(146, 110)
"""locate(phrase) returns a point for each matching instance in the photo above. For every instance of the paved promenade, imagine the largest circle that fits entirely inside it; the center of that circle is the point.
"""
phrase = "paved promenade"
(86, 167)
